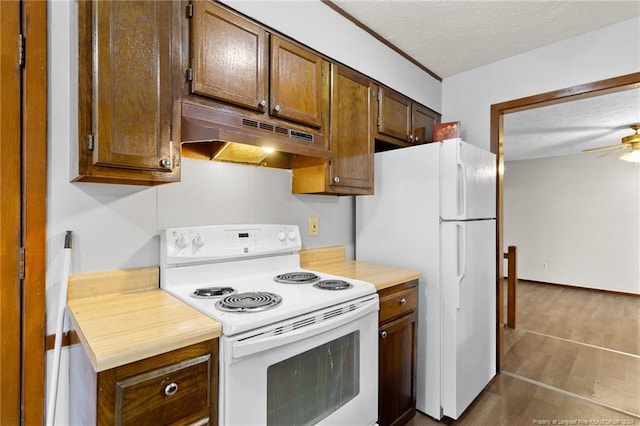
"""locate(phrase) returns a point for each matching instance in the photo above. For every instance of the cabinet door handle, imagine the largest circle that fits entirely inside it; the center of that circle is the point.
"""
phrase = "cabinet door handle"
(262, 104)
(410, 138)
(171, 389)
(336, 179)
(277, 108)
(165, 162)
(402, 301)
(383, 334)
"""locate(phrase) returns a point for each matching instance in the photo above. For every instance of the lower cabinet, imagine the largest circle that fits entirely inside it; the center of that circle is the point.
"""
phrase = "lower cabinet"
(397, 354)
(177, 388)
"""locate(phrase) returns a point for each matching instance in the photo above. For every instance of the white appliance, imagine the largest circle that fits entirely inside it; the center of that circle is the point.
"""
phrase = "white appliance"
(434, 211)
(298, 347)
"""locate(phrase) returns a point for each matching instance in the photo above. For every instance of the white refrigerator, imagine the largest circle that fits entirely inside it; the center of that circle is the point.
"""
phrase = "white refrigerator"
(433, 210)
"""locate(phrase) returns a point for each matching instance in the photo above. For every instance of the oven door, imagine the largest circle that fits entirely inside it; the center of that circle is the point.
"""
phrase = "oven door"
(320, 368)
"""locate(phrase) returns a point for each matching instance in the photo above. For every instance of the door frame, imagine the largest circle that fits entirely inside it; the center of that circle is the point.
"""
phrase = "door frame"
(23, 187)
(498, 111)
(10, 299)
(34, 210)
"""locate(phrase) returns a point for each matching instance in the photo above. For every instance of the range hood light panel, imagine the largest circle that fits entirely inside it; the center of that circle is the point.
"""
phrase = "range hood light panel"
(242, 153)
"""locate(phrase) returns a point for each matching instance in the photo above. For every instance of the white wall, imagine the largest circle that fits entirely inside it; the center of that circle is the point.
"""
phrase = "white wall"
(116, 226)
(577, 214)
(609, 52)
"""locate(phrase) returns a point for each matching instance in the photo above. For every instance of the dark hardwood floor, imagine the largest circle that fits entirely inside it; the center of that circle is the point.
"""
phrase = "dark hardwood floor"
(573, 359)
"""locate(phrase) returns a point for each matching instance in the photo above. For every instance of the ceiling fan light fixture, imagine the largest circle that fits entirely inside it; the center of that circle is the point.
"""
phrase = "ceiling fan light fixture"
(632, 156)
(631, 141)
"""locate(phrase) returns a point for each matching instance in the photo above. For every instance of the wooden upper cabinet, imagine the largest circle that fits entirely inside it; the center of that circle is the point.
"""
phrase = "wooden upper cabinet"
(296, 83)
(351, 136)
(394, 115)
(422, 121)
(402, 122)
(229, 57)
(129, 112)
(236, 61)
(350, 170)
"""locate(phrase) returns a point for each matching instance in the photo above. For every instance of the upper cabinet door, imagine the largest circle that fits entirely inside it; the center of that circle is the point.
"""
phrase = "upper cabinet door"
(296, 83)
(394, 115)
(351, 135)
(422, 121)
(229, 57)
(132, 93)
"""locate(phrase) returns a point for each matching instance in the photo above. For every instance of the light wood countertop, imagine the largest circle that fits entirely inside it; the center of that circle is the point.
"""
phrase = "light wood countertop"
(331, 260)
(125, 326)
(122, 316)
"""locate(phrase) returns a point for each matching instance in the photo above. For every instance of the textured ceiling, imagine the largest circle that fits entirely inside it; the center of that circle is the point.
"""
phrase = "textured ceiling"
(449, 37)
(568, 128)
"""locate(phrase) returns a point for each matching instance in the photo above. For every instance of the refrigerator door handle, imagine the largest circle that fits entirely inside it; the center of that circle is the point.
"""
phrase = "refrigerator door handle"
(462, 259)
(462, 188)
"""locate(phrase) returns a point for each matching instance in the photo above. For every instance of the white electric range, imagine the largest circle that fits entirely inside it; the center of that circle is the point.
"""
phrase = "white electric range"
(278, 320)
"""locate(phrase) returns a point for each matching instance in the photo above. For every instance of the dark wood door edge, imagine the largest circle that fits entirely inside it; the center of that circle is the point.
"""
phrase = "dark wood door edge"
(34, 210)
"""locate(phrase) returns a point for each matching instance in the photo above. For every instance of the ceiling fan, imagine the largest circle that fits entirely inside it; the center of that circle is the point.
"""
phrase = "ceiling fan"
(631, 142)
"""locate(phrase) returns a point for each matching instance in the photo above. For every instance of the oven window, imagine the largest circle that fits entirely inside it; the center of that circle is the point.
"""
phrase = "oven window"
(308, 387)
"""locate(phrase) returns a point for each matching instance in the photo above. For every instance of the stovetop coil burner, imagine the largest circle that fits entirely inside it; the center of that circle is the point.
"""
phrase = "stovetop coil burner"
(300, 277)
(333, 285)
(249, 302)
(212, 292)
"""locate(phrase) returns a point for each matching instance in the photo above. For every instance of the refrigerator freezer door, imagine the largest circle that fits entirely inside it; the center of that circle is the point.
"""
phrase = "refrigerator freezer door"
(468, 310)
(468, 181)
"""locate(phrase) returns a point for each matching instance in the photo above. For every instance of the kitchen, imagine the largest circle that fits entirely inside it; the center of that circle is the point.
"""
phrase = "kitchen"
(117, 226)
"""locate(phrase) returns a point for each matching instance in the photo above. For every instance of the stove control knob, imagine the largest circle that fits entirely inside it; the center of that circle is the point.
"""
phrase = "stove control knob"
(291, 235)
(281, 235)
(181, 242)
(198, 241)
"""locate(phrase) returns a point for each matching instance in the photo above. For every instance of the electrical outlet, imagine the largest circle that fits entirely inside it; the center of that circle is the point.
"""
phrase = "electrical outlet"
(314, 226)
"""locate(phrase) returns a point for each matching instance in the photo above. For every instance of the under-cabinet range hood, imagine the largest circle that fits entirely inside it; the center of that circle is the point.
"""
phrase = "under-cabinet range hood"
(231, 137)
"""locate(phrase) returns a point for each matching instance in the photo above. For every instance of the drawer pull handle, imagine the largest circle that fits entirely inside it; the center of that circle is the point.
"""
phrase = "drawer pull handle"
(383, 335)
(171, 389)
(402, 301)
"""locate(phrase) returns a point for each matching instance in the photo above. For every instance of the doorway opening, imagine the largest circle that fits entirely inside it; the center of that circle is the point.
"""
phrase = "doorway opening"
(498, 111)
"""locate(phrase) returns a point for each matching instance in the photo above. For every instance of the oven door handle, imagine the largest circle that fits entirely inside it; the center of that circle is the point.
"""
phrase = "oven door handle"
(262, 342)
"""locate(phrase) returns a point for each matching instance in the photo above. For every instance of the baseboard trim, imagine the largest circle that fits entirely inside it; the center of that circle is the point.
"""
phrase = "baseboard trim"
(620, 293)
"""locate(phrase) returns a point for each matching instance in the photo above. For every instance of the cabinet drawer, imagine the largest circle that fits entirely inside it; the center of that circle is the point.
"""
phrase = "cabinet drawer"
(398, 303)
(165, 395)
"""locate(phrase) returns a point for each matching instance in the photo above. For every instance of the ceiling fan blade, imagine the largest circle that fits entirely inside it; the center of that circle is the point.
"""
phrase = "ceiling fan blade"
(612, 152)
(604, 147)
